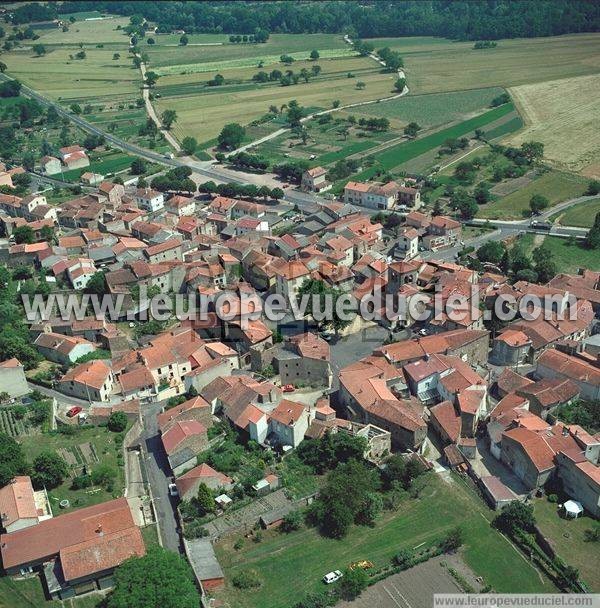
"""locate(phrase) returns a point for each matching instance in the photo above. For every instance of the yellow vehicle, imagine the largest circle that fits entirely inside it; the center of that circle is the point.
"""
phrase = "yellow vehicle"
(364, 564)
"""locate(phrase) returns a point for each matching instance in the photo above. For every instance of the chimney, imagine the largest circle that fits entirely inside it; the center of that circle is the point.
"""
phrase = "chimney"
(565, 431)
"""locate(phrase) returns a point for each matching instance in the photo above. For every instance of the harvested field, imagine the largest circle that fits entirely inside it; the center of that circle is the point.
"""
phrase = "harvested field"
(563, 115)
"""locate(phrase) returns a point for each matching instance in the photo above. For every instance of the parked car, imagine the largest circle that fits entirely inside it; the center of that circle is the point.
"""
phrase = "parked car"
(74, 411)
(331, 577)
(173, 491)
(288, 388)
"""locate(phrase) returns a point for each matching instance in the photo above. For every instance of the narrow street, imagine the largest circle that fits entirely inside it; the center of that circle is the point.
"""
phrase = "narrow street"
(159, 477)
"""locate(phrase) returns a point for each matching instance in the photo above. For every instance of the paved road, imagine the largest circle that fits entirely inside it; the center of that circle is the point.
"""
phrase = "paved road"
(159, 477)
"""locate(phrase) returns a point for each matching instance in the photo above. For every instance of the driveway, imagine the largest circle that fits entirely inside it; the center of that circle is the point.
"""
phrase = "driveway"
(159, 477)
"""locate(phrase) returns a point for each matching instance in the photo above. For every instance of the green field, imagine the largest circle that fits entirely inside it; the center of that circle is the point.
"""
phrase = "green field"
(291, 565)
(567, 537)
(103, 163)
(434, 109)
(397, 155)
(556, 186)
(103, 31)
(104, 445)
(162, 55)
(568, 256)
(582, 215)
(434, 65)
(28, 593)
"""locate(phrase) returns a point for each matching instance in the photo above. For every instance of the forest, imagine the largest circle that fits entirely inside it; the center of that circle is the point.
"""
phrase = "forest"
(455, 19)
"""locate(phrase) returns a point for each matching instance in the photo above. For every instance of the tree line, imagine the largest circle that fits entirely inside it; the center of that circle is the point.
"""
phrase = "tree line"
(460, 19)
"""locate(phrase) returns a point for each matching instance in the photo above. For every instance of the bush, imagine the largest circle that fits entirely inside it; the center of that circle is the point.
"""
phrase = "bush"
(453, 540)
(247, 579)
(291, 522)
(117, 422)
(403, 559)
(353, 583)
(552, 498)
(80, 482)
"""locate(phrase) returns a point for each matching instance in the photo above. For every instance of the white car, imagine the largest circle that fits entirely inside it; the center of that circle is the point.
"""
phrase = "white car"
(173, 491)
(331, 577)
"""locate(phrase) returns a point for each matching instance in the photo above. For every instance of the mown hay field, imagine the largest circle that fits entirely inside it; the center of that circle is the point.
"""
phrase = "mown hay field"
(434, 66)
(204, 114)
(202, 49)
(564, 116)
(98, 31)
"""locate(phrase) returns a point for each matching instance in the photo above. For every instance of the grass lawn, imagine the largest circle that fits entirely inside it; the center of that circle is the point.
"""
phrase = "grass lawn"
(471, 232)
(568, 256)
(566, 535)
(183, 57)
(26, 593)
(434, 65)
(556, 186)
(103, 442)
(434, 109)
(580, 215)
(292, 564)
(150, 535)
(101, 31)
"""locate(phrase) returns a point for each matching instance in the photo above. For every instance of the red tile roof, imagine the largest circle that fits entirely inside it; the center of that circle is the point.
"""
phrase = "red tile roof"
(180, 431)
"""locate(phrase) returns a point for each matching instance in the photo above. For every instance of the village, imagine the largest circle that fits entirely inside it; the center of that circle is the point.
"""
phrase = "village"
(451, 391)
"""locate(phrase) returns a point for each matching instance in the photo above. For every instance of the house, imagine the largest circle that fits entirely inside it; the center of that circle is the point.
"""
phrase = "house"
(288, 422)
(202, 558)
(374, 196)
(366, 395)
(313, 180)
(558, 365)
(164, 252)
(196, 408)
(303, 359)
(148, 199)
(581, 479)
(442, 232)
(92, 381)
(496, 493)
(511, 347)
(181, 205)
(290, 277)
(50, 165)
(113, 192)
(188, 483)
(78, 551)
(548, 394)
(12, 378)
(408, 242)
(411, 197)
(18, 508)
(91, 179)
(77, 159)
(182, 442)
(62, 349)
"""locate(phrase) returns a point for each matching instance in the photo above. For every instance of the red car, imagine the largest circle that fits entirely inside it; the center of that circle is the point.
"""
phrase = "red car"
(74, 411)
(288, 388)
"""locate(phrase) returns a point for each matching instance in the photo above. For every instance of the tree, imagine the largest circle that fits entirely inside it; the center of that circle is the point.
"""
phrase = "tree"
(49, 470)
(39, 50)
(231, 136)
(3, 67)
(314, 55)
(204, 500)
(277, 194)
(151, 78)
(138, 166)
(592, 190)
(189, 145)
(117, 422)
(538, 203)
(97, 284)
(294, 113)
(544, 264)
(516, 516)
(453, 540)
(12, 460)
(360, 85)
(160, 579)
(183, 41)
(292, 521)
(75, 108)
(592, 238)
(532, 150)
(168, 117)
(411, 129)
(320, 295)
(23, 234)
(482, 193)
(400, 84)
(353, 583)
(315, 69)
(492, 251)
